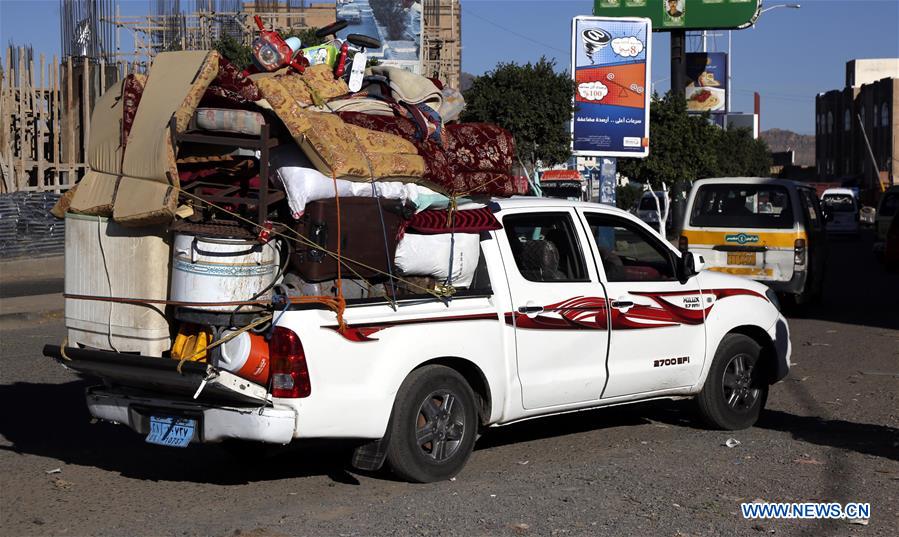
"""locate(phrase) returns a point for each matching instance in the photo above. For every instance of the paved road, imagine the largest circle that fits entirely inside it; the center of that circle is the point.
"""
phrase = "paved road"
(831, 433)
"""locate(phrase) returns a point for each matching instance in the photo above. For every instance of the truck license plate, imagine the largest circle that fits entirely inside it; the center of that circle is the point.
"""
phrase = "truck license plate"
(741, 258)
(172, 432)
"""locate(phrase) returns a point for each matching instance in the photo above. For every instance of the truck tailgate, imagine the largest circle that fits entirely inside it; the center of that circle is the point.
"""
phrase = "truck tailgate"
(160, 374)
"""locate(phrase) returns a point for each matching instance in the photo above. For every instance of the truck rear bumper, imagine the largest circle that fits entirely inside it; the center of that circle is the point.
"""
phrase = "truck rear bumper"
(794, 286)
(214, 423)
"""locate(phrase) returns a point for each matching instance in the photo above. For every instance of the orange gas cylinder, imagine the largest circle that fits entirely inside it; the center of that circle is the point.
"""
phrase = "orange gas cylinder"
(246, 356)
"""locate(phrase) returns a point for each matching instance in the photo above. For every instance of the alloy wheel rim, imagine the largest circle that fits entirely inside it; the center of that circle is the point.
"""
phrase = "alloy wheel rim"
(440, 425)
(737, 383)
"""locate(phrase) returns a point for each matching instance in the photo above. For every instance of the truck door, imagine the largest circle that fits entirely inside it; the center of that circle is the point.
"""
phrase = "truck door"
(657, 323)
(558, 308)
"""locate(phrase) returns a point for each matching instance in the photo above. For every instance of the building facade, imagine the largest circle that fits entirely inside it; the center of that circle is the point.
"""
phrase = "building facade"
(441, 54)
(857, 128)
(285, 16)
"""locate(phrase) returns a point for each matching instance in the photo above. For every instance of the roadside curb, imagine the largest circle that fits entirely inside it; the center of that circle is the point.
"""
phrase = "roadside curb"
(29, 310)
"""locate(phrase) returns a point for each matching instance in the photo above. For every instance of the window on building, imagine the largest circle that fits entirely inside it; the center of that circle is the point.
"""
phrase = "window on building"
(847, 120)
(885, 115)
(829, 122)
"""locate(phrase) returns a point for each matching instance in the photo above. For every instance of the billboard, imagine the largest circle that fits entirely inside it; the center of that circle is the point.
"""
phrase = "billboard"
(610, 63)
(706, 82)
(396, 24)
(667, 15)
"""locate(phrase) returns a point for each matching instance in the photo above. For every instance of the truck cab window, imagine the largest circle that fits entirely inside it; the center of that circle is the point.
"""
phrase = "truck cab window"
(629, 253)
(545, 247)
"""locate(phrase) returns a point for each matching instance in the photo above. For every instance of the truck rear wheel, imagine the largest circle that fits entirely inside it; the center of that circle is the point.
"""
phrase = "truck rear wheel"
(735, 390)
(433, 426)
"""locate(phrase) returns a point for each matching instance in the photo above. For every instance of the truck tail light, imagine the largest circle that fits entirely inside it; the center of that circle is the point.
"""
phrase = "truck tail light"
(289, 374)
(799, 252)
(683, 244)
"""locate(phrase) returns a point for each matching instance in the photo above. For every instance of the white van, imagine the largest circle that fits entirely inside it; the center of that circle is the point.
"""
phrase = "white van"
(648, 211)
(770, 230)
(841, 210)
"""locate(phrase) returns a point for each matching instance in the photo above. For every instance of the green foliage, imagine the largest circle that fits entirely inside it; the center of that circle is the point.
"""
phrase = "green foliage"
(307, 37)
(626, 197)
(235, 51)
(684, 147)
(533, 102)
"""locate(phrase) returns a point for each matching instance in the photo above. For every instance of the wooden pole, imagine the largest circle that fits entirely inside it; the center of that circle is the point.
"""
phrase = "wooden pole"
(21, 91)
(55, 121)
(5, 112)
(41, 126)
(102, 78)
(70, 122)
(86, 110)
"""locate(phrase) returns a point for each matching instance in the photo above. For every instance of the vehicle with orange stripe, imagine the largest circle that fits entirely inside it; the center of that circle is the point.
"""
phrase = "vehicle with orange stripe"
(770, 230)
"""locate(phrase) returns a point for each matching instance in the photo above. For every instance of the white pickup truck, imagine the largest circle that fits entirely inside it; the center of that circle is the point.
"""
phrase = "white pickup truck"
(574, 306)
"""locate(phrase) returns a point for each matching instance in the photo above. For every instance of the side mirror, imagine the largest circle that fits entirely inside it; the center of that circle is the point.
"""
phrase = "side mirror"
(689, 265)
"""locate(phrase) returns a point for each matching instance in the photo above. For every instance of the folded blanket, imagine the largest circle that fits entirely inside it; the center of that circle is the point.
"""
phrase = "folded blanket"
(463, 221)
(475, 158)
(348, 151)
(409, 87)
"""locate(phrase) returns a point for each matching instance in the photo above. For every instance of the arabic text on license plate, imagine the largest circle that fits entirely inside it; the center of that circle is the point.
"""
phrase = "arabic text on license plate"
(741, 258)
(172, 432)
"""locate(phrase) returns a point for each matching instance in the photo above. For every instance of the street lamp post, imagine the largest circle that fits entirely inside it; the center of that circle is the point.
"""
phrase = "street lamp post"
(730, 64)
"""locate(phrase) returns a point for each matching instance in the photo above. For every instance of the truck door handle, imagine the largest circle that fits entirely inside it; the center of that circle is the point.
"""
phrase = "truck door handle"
(622, 304)
(530, 310)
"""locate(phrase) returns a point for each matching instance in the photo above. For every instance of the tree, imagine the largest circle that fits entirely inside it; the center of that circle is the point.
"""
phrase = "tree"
(234, 51)
(684, 147)
(531, 101)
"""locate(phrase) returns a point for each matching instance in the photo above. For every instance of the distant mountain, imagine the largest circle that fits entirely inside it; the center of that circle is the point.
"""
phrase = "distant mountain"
(803, 145)
(465, 81)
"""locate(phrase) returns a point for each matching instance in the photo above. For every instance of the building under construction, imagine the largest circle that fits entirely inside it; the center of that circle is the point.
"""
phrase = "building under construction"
(442, 40)
(46, 103)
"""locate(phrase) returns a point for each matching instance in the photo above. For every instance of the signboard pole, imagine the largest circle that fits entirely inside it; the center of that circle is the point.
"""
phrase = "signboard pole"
(730, 69)
(678, 63)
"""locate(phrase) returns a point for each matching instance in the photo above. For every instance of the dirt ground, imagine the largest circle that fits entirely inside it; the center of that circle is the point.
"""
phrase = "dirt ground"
(831, 433)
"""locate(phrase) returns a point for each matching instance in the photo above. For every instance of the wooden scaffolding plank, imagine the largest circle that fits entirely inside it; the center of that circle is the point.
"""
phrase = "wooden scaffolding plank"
(41, 126)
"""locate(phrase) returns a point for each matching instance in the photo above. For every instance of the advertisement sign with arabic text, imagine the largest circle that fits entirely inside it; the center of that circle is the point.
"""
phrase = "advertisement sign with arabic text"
(610, 63)
(707, 82)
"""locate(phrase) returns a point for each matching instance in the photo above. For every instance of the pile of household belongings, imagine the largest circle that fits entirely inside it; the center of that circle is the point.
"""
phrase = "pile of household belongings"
(390, 166)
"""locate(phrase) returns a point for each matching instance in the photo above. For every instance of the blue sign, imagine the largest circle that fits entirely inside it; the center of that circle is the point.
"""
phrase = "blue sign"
(610, 63)
(608, 180)
(707, 82)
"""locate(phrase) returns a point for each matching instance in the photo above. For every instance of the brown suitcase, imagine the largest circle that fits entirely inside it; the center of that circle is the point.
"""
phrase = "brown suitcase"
(362, 238)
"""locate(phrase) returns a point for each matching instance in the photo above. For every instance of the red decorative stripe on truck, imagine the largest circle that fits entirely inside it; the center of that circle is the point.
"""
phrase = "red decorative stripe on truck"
(590, 312)
(580, 313)
(361, 333)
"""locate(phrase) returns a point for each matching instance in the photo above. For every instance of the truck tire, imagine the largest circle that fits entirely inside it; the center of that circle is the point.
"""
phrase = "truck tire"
(735, 390)
(433, 426)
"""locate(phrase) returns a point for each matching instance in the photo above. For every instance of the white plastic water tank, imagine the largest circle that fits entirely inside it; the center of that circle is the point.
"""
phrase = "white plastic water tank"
(108, 260)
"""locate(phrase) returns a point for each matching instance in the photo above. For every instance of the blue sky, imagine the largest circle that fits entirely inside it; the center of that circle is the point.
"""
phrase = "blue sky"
(788, 57)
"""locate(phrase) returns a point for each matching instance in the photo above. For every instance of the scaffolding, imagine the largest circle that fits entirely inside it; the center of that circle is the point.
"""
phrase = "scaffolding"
(441, 41)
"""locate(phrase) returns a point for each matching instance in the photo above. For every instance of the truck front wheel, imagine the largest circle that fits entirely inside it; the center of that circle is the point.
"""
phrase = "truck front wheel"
(735, 390)
(433, 426)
